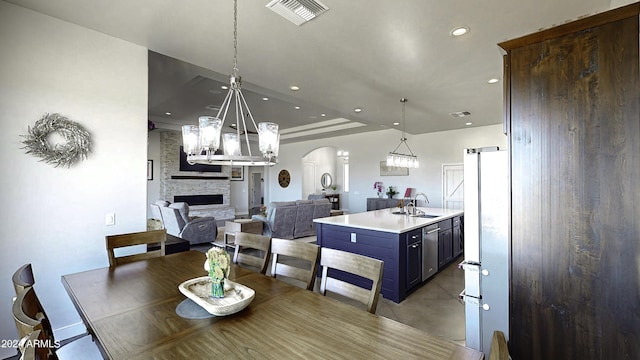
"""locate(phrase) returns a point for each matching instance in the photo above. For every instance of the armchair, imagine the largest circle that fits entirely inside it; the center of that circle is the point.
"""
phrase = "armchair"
(155, 210)
(280, 219)
(195, 230)
(293, 219)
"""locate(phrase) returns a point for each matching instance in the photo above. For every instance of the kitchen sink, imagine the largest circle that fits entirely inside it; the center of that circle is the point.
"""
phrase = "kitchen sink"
(426, 216)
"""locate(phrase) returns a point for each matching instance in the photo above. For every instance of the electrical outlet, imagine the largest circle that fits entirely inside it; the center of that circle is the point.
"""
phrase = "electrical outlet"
(110, 219)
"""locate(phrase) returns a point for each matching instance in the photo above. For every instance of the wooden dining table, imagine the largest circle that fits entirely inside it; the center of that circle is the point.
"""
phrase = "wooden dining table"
(131, 312)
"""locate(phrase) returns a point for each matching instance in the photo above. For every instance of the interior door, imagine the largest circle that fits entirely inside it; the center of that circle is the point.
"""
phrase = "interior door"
(309, 179)
(257, 190)
(452, 189)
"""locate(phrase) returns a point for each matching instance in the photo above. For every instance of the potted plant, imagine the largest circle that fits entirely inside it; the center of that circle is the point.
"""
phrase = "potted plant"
(391, 192)
(379, 187)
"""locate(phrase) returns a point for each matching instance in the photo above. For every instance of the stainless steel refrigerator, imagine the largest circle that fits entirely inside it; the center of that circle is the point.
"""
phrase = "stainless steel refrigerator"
(486, 245)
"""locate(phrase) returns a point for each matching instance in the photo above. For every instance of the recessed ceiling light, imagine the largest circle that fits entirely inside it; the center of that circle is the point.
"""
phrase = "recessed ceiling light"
(357, 110)
(459, 31)
(493, 81)
(265, 99)
(396, 123)
(468, 123)
(297, 107)
(294, 88)
(168, 113)
(224, 87)
(323, 114)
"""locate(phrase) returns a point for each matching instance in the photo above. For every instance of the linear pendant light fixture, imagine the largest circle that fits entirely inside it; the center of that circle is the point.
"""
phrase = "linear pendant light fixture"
(397, 159)
(205, 137)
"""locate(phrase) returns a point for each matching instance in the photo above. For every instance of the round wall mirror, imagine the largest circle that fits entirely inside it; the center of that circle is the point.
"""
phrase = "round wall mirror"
(326, 180)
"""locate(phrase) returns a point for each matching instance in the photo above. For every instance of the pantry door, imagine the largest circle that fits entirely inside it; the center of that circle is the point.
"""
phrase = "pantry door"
(452, 189)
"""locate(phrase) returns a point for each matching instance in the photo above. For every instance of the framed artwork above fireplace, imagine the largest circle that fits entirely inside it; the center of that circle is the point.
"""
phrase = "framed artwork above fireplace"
(237, 173)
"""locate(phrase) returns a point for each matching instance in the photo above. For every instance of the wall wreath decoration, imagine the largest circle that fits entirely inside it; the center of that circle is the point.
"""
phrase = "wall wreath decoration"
(76, 148)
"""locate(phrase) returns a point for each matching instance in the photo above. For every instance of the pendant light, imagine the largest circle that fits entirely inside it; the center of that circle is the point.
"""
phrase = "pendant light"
(394, 158)
(202, 141)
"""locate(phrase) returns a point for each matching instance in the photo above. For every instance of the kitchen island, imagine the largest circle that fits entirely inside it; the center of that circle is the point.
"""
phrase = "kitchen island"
(396, 239)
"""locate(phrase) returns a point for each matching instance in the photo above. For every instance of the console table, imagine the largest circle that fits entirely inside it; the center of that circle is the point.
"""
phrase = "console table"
(334, 199)
(381, 203)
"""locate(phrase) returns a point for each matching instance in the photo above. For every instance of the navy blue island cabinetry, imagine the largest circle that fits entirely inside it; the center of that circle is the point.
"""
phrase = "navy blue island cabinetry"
(395, 239)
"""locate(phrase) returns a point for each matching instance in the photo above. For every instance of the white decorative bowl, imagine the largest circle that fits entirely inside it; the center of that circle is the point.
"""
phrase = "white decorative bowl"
(236, 296)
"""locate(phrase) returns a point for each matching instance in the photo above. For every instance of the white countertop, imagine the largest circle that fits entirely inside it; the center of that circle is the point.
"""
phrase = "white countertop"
(384, 220)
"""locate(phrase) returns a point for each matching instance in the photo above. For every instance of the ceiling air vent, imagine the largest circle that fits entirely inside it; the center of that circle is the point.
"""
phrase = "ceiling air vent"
(297, 11)
(460, 114)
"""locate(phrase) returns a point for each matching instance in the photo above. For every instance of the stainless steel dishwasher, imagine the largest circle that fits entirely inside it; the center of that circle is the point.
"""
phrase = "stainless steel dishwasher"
(429, 250)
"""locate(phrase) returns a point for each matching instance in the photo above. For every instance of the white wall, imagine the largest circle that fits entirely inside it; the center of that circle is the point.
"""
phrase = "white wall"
(153, 153)
(52, 217)
(324, 159)
(240, 193)
(368, 149)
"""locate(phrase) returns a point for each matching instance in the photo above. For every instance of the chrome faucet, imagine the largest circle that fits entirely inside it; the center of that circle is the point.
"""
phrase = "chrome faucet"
(415, 202)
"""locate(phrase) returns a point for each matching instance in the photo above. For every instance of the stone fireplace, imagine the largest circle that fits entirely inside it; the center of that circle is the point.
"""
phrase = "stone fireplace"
(208, 194)
(192, 200)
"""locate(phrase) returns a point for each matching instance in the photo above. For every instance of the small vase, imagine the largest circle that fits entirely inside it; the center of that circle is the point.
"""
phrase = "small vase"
(390, 196)
(217, 288)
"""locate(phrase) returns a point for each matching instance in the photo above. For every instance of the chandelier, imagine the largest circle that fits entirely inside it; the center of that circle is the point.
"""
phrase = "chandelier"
(394, 158)
(201, 142)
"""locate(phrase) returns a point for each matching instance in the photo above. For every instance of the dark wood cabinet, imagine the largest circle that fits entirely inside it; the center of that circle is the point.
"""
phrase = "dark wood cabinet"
(445, 244)
(457, 237)
(414, 258)
(572, 115)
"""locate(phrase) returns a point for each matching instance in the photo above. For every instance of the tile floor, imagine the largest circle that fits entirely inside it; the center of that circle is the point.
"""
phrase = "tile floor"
(433, 308)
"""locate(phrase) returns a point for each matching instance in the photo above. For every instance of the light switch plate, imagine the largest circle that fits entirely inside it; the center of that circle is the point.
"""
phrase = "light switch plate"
(110, 219)
(353, 237)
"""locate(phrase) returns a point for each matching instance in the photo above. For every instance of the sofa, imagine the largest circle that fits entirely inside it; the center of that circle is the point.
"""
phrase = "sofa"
(293, 219)
(175, 218)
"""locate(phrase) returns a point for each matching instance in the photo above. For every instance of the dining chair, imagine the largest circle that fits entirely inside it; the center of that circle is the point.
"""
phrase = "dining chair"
(499, 348)
(300, 251)
(137, 238)
(360, 265)
(28, 312)
(23, 278)
(29, 316)
(252, 250)
(34, 347)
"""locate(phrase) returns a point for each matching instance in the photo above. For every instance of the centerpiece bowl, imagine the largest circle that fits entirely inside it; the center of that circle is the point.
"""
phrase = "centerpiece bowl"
(236, 296)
